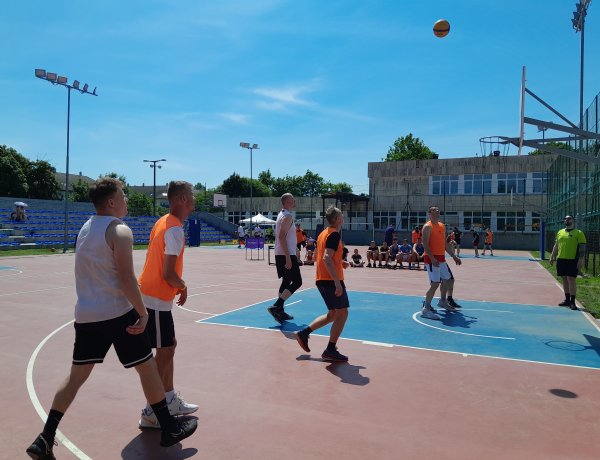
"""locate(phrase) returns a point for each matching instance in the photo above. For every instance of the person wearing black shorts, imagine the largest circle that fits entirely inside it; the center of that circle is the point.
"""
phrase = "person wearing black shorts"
(330, 283)
(568, 252)
(109, 312)
(286, 260)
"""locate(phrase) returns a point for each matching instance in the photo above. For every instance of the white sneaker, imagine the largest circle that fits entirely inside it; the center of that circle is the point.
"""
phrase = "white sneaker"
(445, 305)
(427, 312)
(179, 406)
(148, 419)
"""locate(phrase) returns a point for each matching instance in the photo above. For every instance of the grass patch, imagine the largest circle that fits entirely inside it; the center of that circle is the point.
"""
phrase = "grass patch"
(588, 287)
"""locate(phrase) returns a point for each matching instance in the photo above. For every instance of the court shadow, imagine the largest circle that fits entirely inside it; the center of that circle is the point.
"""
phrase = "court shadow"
(457, 319)
(563, 393)
(146, 446)
(594, 344)
(347, 373)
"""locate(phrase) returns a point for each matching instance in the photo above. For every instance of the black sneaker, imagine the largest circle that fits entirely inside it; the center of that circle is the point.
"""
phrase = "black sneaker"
(452, 303)
(184, 430)
(302, 339)
(41, 449)
(276, 313)
(573, 306)
(286, 317)
(334, 356)
(565, 303)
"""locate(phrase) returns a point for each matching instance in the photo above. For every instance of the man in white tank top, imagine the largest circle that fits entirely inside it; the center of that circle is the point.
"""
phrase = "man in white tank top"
(285, 258)
(109, 312)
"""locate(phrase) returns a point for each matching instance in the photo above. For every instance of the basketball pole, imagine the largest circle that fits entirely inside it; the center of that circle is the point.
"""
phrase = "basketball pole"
(522, 123)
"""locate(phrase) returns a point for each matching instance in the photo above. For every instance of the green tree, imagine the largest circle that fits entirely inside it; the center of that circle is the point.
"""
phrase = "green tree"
(237, 186)
(81, 191)
(13, 181)
(139, 204)
(409, 148)
(560, 145)
(41, 179)
(339, 187)
(122, 178)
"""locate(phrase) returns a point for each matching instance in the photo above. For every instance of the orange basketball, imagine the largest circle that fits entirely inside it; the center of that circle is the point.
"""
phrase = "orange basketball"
(441, 28)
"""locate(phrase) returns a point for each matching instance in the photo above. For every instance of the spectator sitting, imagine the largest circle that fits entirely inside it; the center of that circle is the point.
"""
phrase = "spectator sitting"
(310, 244)
(258, 233)
(394, 250)
(384, 254)
(18, 215)
(372, 254)
(309, 257)
(419, 253)
(344, 253)
(406, 254)
(356, 259)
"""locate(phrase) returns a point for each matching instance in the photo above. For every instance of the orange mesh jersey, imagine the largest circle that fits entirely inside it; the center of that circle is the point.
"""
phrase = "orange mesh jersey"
(322, 272)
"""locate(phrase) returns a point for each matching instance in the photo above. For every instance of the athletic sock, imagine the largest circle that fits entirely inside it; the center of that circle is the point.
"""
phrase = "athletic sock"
(51, 425)
(572, 299)
(449, 298)
(169, 395)
(166, 420)
(279, 302)
(331, 346)
(307, 330)
(567, 297)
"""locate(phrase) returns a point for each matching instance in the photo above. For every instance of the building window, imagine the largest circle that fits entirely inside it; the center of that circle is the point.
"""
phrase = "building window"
(235, 216)
(444, 185)
(536, 222)
(477, 184)
(510, 221)
(511, 183)
(540, 183)
(408, 221)
(382, 219)
(477, 220)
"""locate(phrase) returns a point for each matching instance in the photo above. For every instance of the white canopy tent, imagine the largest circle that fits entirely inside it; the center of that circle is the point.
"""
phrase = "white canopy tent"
(258, 219)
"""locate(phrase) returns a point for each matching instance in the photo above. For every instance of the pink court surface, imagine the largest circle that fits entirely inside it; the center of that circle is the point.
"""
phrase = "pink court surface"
(262, 397)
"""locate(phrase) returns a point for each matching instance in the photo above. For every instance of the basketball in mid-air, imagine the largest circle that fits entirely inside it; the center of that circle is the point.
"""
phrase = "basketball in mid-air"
(441, 28)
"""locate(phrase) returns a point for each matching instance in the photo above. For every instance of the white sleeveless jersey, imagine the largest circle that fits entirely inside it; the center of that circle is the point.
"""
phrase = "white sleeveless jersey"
(290, 238)
(99, 293)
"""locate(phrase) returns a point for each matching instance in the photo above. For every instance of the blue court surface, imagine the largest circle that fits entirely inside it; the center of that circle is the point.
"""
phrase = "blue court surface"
(537, 333)
(2, 267)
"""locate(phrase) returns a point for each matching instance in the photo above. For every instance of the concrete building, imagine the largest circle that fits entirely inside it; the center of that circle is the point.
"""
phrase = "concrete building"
(504, 193)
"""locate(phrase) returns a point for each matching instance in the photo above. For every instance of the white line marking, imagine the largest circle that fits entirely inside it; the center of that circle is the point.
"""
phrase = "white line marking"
(292, 303)
(195, 311)
(36, 290)
(412, 347)
(379, 344)
(36, 402)
(414, 317)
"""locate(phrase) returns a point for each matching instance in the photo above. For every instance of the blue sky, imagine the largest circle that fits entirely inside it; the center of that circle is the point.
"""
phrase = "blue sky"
(320, 85)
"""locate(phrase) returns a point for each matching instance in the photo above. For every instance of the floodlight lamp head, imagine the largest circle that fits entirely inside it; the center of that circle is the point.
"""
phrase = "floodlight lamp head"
(254, 146)
(40, 73)
(245, 145)
(61, 80)
(76, 84)
(51, 76)
(85, 88)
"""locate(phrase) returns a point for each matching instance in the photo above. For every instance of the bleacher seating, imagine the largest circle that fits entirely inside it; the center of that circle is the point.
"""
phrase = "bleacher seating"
(45, 228)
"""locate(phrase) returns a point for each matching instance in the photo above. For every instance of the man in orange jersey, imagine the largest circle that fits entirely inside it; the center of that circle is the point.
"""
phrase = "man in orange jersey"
(487, 242)
(330, 282)
(436, 245)
(160, 282)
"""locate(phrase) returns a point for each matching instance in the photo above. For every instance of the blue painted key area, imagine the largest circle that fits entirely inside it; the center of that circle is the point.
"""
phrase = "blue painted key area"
(527, 332)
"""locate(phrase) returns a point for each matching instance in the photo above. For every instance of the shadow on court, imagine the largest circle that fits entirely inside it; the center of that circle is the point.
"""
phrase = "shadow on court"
(346, 372)
(146, 446)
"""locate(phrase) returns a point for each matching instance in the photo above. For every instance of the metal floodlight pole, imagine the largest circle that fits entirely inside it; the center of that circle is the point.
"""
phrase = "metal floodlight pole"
(154, 165)
(578, 22)
(55, 79)
(247, 145)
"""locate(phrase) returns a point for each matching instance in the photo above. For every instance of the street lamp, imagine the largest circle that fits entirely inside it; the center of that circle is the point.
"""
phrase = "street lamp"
(55, 79)
(154, 165)
(578, 22)
(246, 145)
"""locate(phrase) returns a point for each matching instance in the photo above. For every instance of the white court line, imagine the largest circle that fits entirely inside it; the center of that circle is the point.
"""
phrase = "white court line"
(411, 347)
(231, 290)
(292, 303)
(414, 317)
(18, 272)
(36, 402)
(196, 311)
(36, 290)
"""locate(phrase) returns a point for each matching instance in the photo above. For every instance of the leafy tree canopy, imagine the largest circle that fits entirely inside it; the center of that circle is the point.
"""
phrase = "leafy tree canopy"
(24, 178)
(560, 145)
(311, 184)
(409, 148)
(139, 204)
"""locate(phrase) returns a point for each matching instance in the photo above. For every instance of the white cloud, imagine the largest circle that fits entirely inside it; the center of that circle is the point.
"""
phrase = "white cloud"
(235, 117)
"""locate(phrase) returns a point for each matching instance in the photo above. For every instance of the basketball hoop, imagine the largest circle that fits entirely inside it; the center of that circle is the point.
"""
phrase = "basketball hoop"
(494, 146)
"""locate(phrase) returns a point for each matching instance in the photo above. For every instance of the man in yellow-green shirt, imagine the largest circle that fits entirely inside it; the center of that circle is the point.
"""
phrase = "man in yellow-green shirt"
(568, 252)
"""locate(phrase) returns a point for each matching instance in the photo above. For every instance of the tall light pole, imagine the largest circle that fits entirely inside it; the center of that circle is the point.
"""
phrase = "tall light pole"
(247, 145)
(55, 79)
(578, 22)
(154, 165)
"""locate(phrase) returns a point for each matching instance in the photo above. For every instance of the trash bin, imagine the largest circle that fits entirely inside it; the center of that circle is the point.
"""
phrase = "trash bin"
(194, 232)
